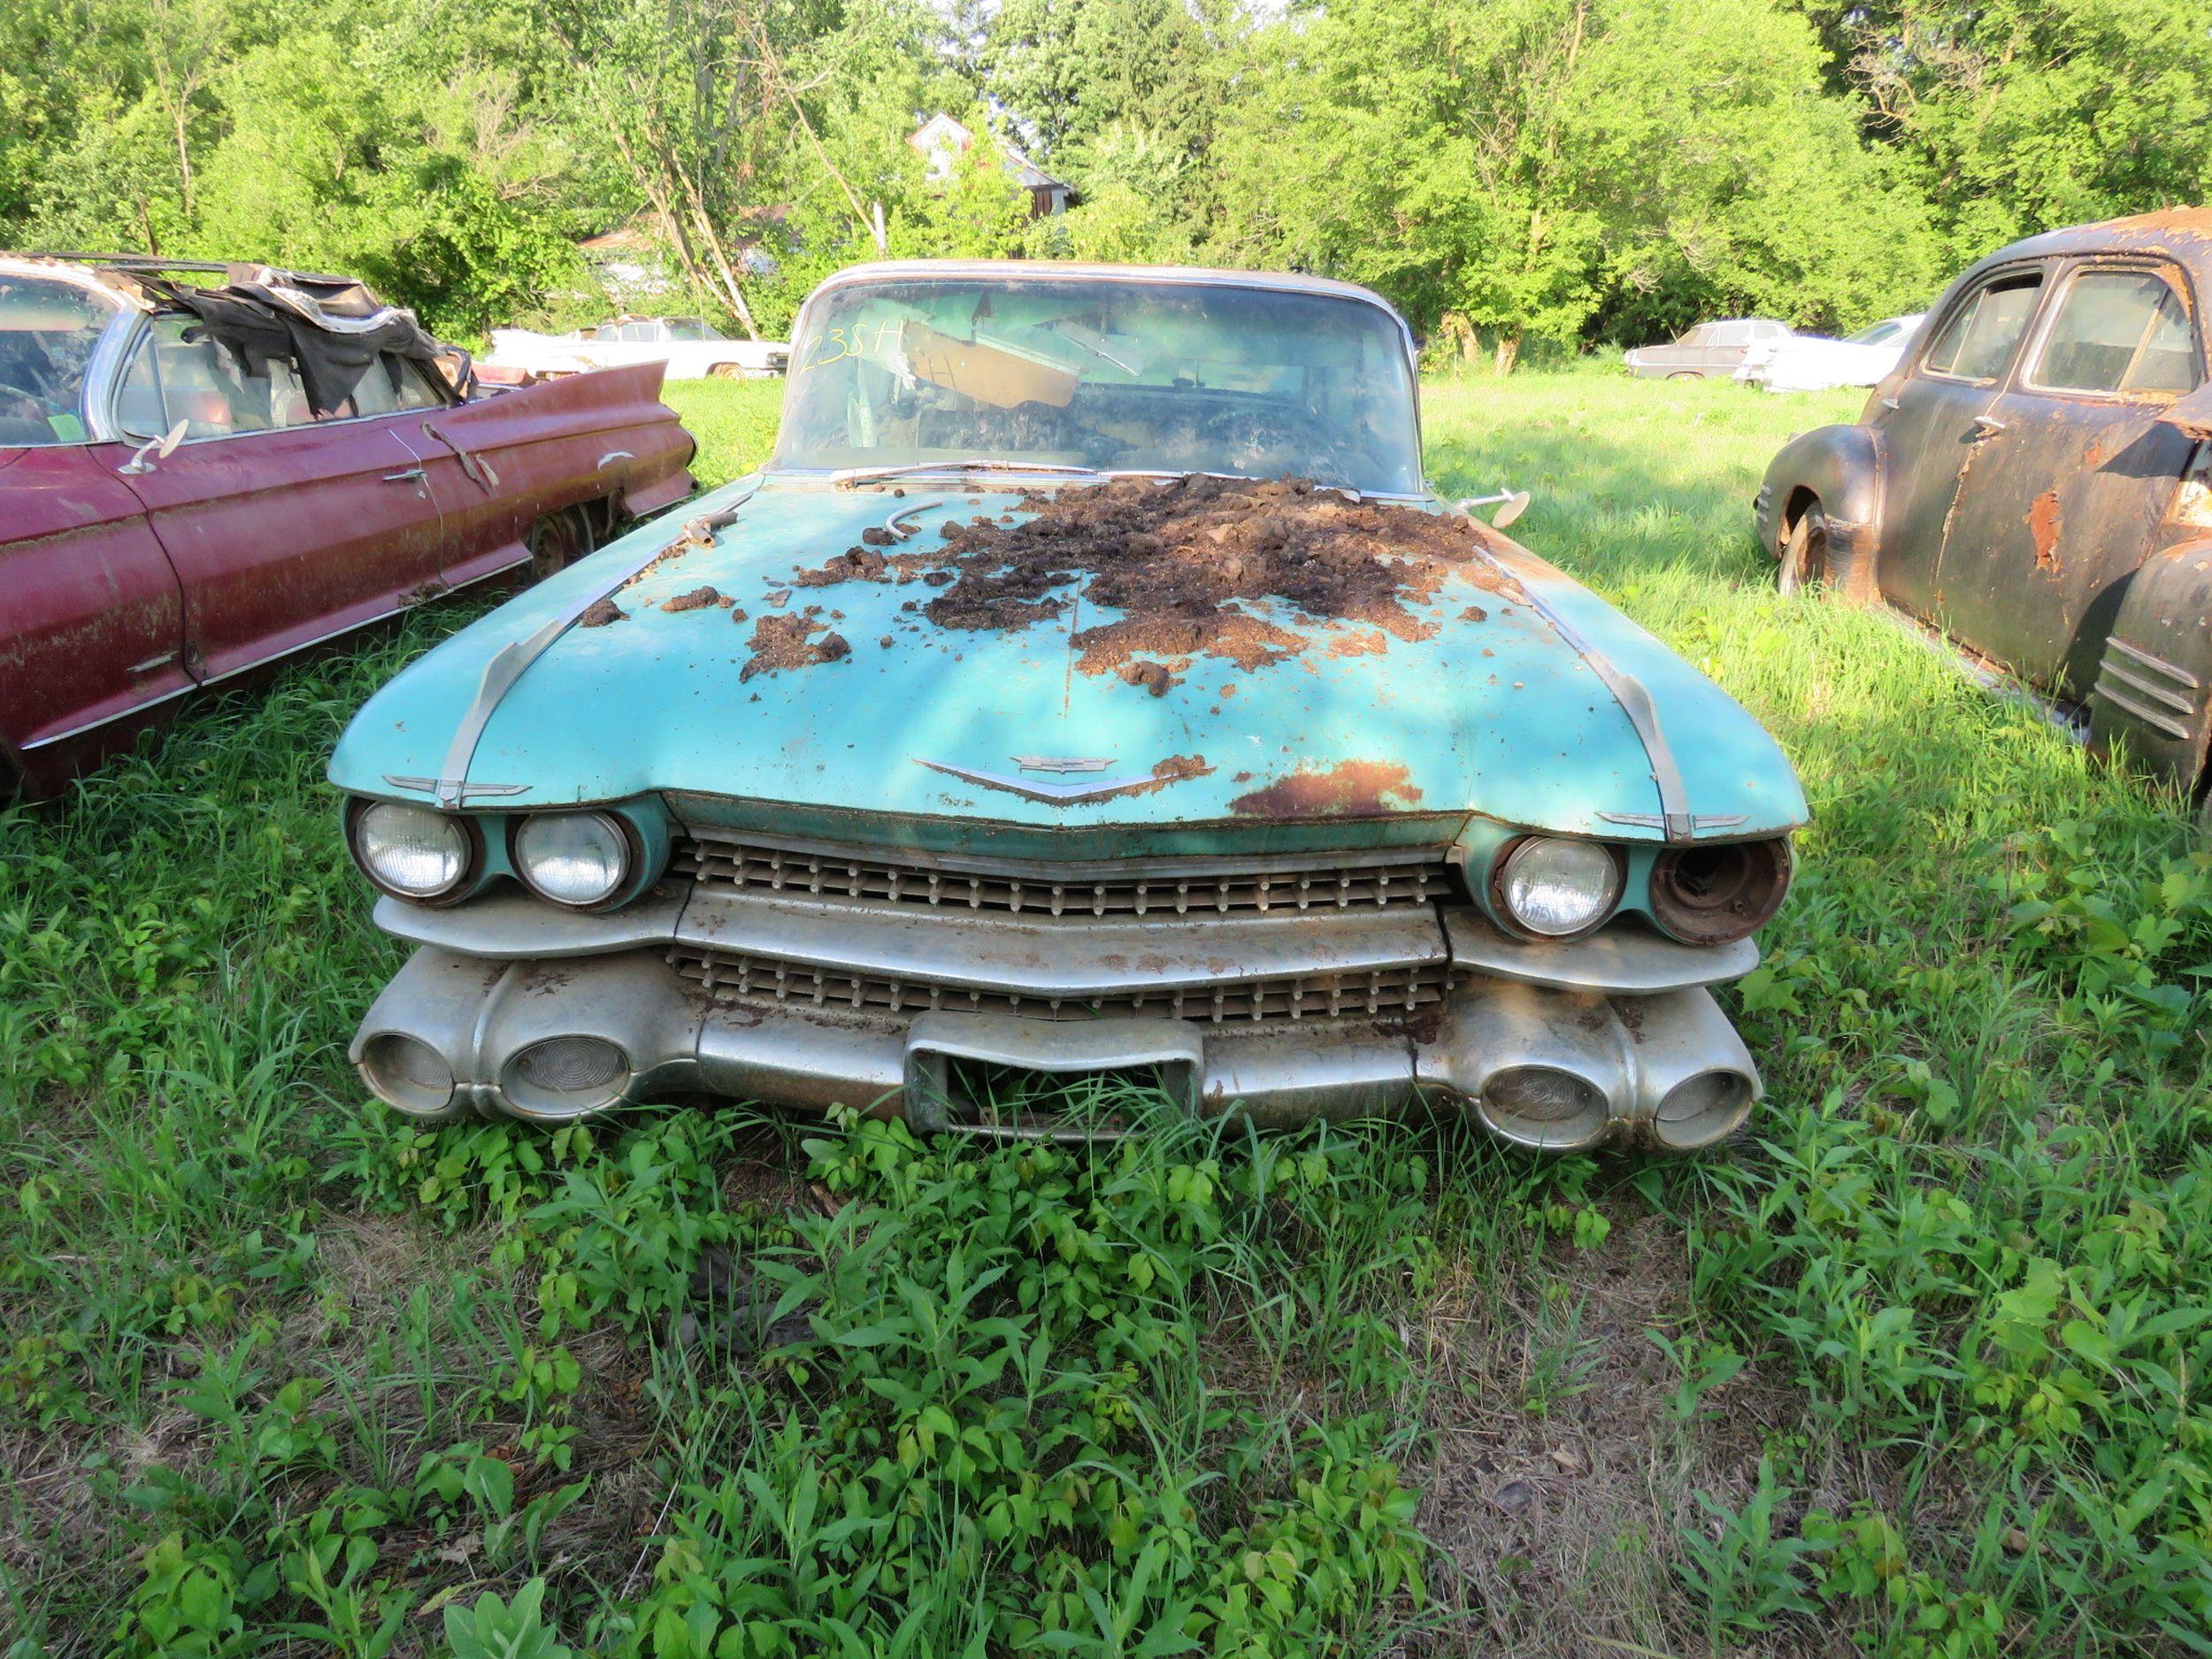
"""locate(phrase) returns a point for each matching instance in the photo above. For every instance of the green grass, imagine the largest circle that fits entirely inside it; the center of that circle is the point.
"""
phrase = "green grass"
(1915, 1369)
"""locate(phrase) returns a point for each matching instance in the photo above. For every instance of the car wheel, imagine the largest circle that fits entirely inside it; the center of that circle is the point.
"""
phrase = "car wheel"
(1685, 374)
(1810, 560)
(557, 540)
(727, 372)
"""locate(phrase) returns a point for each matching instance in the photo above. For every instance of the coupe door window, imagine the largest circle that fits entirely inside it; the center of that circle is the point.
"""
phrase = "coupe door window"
(1978, 340)
(393, 384)
(2119, 332)
(179, 372)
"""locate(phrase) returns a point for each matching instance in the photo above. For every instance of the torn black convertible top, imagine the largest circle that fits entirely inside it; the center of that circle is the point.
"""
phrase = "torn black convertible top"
(333, 328)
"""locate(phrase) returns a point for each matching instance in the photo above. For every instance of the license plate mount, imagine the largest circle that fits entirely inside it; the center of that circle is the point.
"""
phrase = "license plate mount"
(946, 1054)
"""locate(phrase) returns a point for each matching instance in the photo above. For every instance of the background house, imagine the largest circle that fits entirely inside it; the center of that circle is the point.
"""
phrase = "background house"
(942, 139)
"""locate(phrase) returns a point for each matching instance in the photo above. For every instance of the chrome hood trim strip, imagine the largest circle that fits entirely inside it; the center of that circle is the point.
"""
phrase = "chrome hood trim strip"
(514, 660)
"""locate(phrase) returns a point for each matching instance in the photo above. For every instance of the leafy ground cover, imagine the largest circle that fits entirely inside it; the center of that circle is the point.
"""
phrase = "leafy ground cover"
(1914, 1369)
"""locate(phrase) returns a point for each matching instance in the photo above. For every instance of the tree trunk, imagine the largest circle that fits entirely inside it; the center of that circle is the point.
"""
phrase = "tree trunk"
(705, 228)
(1509, 351)
(181, 111)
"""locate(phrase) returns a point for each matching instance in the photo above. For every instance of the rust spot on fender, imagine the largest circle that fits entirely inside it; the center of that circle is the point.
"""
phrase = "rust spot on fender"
(1171, 770)
(2044, 525)
(1353, 788)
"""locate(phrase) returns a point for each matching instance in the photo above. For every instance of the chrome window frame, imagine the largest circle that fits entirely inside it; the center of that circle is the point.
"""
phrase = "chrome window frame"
(2031, 359)
(2040, 269)
(91, 405)
(141, 325)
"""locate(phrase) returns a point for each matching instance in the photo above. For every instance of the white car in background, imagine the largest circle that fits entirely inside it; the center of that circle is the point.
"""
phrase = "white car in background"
(691, 348)
(1814, 363)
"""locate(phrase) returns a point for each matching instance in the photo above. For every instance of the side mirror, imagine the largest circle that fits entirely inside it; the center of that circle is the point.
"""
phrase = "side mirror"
(1510, 504)
(160, 449)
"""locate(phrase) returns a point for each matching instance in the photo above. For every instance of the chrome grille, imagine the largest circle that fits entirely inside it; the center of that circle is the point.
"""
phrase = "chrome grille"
(1382, 993)
(735, 866)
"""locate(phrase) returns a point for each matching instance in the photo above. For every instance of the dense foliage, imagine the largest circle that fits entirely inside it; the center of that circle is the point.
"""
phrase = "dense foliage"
(1508, 170)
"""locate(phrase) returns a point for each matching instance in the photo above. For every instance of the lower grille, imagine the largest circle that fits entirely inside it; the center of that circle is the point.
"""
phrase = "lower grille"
(729, 864)
(1384, 993)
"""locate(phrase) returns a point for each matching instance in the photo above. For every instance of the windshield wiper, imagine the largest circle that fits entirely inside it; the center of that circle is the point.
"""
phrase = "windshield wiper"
(972, 463)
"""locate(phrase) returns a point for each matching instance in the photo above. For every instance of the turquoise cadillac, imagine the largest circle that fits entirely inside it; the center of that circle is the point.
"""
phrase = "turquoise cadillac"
(1006, 727)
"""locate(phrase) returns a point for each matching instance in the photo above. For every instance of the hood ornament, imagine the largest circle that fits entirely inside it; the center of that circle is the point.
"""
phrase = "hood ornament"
(1060, 763)
(1066, 794)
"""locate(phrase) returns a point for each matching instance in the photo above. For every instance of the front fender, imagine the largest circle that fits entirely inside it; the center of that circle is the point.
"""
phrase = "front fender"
(2154, 684)
(1841, 467)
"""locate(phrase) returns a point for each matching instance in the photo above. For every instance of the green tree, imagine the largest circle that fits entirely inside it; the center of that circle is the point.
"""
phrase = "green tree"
(1535, 168)
(977, 211)
(1067, 69)
(1131, 197)
(2022, 115)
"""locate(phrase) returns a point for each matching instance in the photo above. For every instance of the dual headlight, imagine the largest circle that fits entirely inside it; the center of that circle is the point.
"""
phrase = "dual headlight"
(1548, 886)
(1556, 888)
(577, 859)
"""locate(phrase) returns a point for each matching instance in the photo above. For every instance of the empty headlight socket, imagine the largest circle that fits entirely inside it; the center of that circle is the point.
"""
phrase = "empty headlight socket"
(1717, 891)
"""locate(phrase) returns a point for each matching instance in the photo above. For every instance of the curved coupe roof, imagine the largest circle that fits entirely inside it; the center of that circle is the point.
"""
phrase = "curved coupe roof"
(2181, 234)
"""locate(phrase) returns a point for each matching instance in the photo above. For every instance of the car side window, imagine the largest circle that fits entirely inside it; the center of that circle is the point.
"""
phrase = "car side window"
(1700, 336)
(48, 330)
(390, 385)
(1729, 335)
(416, 390)
(179, 371)
(2119, 332)
(1978, 340)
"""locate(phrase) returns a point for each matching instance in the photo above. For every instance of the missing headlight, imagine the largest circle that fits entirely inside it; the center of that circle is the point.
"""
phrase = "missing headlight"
(1712, 895)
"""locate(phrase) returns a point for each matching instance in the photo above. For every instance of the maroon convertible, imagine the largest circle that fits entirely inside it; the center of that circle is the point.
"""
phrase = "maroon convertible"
(196, 481)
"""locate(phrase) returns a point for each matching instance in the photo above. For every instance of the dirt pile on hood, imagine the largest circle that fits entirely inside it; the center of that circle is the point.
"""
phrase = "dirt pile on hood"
(1181, 561)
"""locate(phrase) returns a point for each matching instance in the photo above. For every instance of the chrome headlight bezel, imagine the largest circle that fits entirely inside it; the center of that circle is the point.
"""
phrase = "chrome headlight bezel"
(1522, 853)
(619, 835)
(360, 815)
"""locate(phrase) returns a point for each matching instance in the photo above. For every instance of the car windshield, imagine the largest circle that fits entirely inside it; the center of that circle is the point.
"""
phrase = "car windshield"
(47, 332)
(1115, 374)
(690, 328)
(1875, 335)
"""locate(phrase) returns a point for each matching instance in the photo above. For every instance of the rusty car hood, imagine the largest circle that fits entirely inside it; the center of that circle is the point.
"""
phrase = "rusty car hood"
(888, 719)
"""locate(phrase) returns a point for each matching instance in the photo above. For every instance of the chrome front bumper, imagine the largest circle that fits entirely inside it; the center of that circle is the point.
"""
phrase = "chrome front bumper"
(482, 1018)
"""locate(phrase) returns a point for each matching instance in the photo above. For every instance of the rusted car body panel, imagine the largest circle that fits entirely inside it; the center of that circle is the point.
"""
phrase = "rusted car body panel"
(1011, 720)
(2035, 479)
(128, 577)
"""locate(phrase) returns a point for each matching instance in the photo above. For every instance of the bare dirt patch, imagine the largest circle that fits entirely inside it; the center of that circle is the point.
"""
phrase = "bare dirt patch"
(1560, 1482)
(1181, 561)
